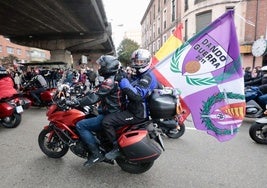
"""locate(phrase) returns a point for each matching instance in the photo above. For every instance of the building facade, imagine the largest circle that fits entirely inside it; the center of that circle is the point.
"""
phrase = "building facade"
(158, 23)
(162, 17)
(24, 54)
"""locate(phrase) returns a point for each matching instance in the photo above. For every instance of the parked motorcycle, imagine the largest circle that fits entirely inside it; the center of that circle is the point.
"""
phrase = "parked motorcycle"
(11, 109)
(46, 96)
(140, 144)
(258, 130)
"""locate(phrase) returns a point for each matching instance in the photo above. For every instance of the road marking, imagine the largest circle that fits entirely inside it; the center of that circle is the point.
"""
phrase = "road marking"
(191, 128)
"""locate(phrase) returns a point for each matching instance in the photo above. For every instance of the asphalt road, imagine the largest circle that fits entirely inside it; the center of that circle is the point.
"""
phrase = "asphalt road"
(194, 160)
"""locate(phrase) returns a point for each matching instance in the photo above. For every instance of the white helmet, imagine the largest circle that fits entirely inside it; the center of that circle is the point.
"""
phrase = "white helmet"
(141, 60)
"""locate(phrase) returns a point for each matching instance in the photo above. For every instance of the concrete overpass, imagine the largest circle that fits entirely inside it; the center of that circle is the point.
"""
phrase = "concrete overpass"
(65, 27)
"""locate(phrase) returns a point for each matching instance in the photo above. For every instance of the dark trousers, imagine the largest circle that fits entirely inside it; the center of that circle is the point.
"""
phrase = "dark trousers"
(113, 121)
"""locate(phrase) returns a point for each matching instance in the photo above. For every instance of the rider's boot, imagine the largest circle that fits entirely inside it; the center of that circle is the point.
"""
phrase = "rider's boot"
(115, 152)
(96, 156)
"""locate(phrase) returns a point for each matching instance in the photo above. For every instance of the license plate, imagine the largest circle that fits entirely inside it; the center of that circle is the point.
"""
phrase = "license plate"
(19, 109)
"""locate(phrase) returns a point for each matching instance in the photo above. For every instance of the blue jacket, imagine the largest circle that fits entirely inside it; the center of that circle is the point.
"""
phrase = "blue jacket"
(138, 91)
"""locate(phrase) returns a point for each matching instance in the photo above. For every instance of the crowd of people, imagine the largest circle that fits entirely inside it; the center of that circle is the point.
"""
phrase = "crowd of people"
(43, 78)
(122, 96)
(256, 85)
(256, 76)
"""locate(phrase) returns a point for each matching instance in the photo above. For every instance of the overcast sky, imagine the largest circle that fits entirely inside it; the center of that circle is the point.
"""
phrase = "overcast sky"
(124, 12)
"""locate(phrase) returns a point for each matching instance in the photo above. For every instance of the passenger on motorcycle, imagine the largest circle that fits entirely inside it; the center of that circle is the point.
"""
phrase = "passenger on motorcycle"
(141, 86)
(110, 98)
(6, 84)
(41, 85)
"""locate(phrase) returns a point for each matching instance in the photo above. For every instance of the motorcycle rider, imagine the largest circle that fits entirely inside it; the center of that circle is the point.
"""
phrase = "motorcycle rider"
(141, 86)
(6, 84)
(39, 81)
(110, 98)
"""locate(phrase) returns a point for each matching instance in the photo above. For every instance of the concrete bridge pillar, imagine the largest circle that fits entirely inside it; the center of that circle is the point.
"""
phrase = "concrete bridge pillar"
(63, 56)
(91, 60)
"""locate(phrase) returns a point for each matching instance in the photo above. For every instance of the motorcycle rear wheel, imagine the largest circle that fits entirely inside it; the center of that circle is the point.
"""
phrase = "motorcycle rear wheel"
(12, 121)
(132, 167)
(176, 133)
(51, 145)
(258, 132)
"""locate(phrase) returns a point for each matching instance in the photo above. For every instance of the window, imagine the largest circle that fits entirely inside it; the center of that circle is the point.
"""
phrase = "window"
(37, 54)
(150, 17)
(158, 25)
(229, 8)
(164, 19)
(158, 44)
(185, 5)
(154, 30)
(202, 20)
(10, 50)
(43, 55)
(28, 53)
(18, 51)
(173, 10)
(154, 47)
(158, 5)
(150, 34)
(154, 12)
(164, 38)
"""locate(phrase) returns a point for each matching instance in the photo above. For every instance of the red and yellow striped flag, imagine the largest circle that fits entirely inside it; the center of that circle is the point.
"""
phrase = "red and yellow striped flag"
(172, 43)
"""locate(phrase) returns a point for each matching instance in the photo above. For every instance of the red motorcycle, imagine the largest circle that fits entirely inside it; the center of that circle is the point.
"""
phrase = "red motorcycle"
(140, 144)
(11, 109)
(46, 96)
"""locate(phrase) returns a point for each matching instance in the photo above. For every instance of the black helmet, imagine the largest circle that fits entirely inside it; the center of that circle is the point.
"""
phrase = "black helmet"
(109, 65)
(3, 72)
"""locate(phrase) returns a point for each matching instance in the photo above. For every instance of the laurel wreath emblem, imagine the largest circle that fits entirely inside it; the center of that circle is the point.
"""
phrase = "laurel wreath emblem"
(206, 111)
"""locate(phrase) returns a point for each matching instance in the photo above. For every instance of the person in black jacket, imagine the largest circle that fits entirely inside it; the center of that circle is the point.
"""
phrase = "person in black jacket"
(109, 95)
(247, 74)
(41, 85)
(143, 82)
(91, 75)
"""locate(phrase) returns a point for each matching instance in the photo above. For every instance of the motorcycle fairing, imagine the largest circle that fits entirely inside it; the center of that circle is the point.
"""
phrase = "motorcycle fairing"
(69, 117)
(6, 110)
(47, 95)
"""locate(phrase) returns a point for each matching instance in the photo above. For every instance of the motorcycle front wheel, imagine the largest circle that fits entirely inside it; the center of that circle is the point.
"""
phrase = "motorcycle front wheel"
(51, 145)
(258, 132)
(177, 132)
(11, 121)
(133, 167)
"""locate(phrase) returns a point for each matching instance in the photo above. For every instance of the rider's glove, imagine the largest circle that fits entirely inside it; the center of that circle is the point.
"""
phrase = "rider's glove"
(120, 75)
